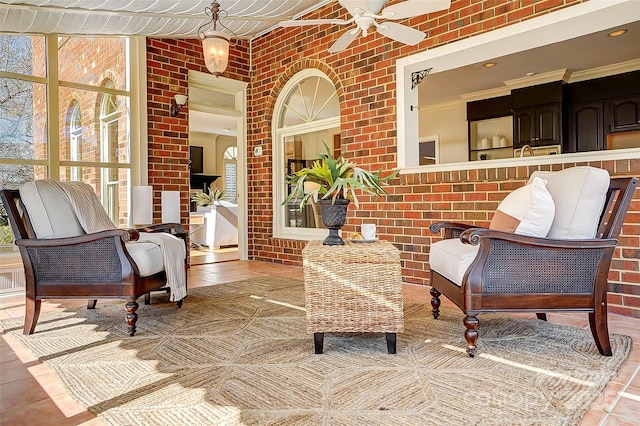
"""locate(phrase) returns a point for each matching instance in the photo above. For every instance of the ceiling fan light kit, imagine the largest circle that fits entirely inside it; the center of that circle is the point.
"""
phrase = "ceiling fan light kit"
(365, 13)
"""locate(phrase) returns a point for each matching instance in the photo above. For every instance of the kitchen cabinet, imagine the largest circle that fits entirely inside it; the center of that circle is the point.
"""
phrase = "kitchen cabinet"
(586, 127)
(624, 114)
(538, 126)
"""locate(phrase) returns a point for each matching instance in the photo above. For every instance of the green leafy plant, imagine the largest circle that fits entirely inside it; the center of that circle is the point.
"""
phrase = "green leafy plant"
(203, 199)
(334, 178)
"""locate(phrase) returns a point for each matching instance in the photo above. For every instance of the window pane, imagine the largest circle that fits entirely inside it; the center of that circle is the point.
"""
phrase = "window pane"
(23, 115)
(110, 185)
(23, 55)
(314, 98)
(91, 60)
(93, 126)
(300, 151)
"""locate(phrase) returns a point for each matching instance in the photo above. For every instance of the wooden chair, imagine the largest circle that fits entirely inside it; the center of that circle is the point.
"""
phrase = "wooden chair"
(517, 273)
(95, 266)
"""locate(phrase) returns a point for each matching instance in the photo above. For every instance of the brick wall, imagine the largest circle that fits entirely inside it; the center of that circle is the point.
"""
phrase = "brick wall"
(364, 75)
(168, 64)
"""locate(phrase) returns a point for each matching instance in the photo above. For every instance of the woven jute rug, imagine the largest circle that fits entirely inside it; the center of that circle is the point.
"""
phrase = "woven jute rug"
(239, 354)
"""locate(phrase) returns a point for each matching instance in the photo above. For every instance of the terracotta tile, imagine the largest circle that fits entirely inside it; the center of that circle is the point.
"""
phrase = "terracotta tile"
(44, 413)
(13, 371)
(628, 405)
(592, 417)
(606, 402)
(21, 392)
(617, 420)
(628, 370)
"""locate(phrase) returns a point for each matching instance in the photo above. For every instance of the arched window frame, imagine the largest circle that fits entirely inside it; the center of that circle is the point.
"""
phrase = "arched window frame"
(75, 139)
(280, 134)
(109, 181)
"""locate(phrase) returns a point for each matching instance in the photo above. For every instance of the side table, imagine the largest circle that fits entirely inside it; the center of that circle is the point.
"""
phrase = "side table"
(356, 287)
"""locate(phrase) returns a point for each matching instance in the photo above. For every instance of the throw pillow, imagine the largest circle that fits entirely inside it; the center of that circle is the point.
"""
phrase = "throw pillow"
(526, 211)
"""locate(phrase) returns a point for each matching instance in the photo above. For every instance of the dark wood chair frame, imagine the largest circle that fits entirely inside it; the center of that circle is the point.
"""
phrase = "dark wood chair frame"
(94, 266)
(514, 273)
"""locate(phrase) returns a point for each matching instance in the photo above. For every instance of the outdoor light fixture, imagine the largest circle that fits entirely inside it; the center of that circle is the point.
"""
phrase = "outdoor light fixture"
(215, 44)
(177, 103)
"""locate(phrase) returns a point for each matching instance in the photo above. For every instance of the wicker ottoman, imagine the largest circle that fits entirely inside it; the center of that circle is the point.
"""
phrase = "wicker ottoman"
(356, 287)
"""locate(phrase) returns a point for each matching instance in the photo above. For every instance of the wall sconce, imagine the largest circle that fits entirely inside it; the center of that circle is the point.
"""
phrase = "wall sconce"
(215, 44)
(177, 103)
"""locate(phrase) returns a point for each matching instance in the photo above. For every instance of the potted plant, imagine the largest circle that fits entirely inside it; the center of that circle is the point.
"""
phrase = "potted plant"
(202, 199)
(333, 183)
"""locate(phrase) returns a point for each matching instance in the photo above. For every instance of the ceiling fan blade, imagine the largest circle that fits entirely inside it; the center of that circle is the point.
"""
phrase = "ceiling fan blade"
(401, 33)
(412, 8)
(365, 5)
(313, 22)
(344, 41)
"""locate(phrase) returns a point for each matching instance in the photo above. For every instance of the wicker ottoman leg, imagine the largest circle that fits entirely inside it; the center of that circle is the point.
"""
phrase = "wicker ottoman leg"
(318, 340)
(391, 342)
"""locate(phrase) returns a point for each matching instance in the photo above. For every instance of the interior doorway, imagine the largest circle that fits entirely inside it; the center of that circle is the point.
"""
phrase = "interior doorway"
(217, 141)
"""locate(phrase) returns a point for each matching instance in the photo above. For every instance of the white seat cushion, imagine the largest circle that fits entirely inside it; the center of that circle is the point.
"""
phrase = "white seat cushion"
(451, 258)
(528, 210)
(147, 256)
(579, 194)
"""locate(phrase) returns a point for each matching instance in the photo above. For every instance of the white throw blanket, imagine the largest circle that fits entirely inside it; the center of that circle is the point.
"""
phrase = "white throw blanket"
(94, 218)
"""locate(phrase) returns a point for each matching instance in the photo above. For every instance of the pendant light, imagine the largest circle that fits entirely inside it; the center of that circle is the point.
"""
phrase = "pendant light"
(215, 44)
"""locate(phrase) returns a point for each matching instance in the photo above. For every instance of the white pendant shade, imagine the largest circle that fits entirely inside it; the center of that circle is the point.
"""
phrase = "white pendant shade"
(215, 47)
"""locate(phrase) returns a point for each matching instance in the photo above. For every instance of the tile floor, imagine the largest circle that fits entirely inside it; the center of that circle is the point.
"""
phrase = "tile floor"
(31, 395)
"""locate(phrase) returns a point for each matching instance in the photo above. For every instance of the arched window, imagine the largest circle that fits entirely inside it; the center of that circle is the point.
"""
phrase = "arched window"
(75, 139)
(230, 159)
(306, 118)
(109, 152)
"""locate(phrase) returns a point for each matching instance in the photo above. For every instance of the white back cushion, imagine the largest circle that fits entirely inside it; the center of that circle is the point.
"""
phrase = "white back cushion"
(50, 214)
(579, 194)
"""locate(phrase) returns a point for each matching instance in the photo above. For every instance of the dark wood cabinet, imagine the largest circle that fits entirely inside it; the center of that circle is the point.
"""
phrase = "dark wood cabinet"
(586, 127)
(624, 114)
(538, 126)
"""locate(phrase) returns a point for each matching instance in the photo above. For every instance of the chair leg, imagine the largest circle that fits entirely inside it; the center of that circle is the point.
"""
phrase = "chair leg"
(318, 342)
(179, 302)
(32, 312)
(600, 331)
(91, 303)
(541, 316)
(391, 342)
(132, 316)
(147, 298)
(471, 333)
(435, 302)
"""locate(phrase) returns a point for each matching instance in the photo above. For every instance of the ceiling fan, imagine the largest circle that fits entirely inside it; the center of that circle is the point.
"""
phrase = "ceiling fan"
(365, 13)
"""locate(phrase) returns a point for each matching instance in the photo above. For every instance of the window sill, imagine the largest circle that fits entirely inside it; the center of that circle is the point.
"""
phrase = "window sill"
(607, 155)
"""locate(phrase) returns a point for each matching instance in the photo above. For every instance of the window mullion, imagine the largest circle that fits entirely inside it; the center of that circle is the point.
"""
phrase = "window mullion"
(53, 112)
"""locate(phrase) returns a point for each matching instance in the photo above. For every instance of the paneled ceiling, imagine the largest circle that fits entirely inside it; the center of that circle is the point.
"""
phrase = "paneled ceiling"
(152, 18)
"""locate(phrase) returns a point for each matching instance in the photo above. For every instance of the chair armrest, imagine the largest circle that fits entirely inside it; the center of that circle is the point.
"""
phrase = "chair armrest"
(451, 229)
(475, 235)
(123, 234)
(172, 228)
(517, 264)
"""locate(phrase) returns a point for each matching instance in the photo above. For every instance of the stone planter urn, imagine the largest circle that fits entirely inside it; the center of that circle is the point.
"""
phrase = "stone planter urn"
(334, 216)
